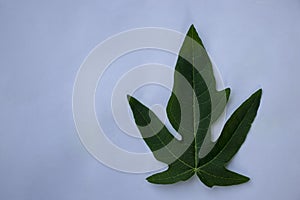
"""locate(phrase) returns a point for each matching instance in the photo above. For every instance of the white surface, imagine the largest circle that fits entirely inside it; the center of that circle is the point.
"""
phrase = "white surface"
(42, 44)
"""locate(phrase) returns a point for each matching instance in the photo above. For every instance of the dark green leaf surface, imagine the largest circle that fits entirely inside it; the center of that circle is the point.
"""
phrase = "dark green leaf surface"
(193, 106)
(211, 169)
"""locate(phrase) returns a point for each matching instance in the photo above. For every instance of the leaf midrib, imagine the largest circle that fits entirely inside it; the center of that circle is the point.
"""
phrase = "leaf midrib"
(221, 177)
(172, 177)
(194, 115)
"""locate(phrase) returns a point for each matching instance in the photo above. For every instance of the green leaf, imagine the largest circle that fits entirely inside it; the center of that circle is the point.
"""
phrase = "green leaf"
(193, 106)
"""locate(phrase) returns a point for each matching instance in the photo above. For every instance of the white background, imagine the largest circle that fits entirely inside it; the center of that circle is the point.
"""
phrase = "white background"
(42, 44)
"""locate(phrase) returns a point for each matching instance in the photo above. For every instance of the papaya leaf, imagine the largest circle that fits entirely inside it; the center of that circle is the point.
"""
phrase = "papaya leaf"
(194, 105)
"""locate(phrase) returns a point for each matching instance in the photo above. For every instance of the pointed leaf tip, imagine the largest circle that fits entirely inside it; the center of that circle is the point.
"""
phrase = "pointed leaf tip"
(128, 97)
(193, 34)
(227, 92)
(191, 30)
(257, 95)
(259, 92)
